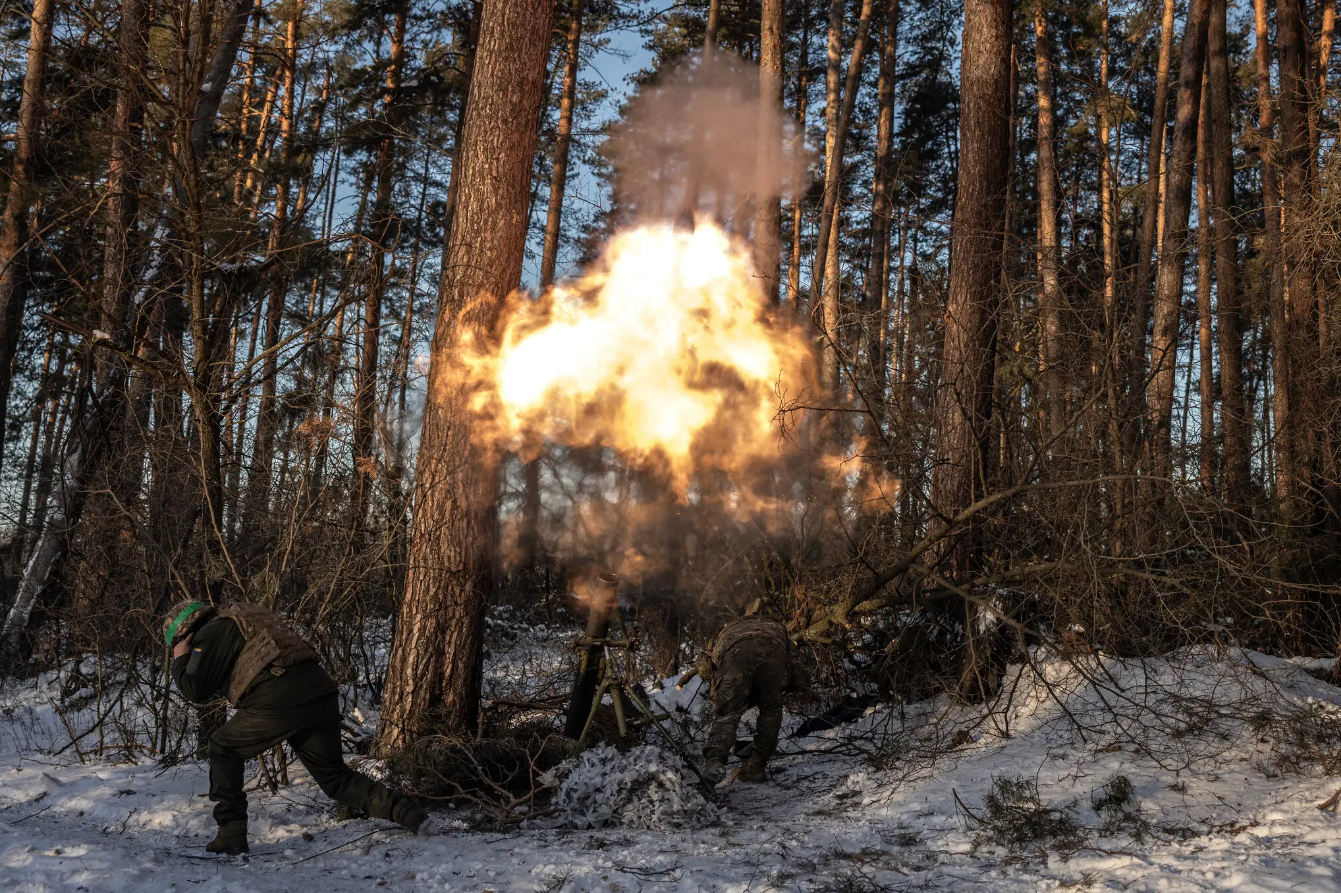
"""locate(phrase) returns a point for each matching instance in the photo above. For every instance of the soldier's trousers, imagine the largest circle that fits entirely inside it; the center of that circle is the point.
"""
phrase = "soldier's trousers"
(752, 674)
(313, 731)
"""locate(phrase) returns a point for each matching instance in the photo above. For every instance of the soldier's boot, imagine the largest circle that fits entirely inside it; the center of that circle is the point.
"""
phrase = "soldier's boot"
(714, 769)
(230, 841)
(754, 771)
(409, 815)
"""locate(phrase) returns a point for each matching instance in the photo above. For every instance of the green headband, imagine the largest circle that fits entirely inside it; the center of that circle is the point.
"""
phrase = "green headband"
(177, 621)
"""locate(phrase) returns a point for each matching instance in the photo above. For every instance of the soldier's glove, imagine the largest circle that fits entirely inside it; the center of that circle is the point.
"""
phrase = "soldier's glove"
(703, 664)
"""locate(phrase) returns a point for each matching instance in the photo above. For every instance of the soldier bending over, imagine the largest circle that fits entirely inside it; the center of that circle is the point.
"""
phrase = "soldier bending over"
(251, 656)
(751, 665)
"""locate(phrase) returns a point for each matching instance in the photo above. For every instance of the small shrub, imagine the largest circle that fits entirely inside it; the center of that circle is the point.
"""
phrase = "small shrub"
(1116, 804)
(1015, 819)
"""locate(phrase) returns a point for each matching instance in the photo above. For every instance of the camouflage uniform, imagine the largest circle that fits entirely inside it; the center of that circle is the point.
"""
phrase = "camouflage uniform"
(751, 666)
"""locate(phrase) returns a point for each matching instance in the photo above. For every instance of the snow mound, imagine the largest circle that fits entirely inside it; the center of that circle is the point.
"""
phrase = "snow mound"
(643, 788)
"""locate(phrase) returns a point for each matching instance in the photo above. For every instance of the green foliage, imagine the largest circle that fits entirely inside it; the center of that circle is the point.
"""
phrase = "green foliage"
(1015, 819)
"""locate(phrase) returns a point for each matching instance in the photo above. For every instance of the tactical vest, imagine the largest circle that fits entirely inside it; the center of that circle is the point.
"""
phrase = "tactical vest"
(758, 626)
(271, 645)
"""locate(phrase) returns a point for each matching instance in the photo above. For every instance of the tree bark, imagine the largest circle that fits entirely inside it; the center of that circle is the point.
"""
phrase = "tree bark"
(963, 408)
(1169, 277)
(467, 73)
(434, 675)
(838, 123)
(1108, 209)
(267, 419)
(385, 230)
(877, 279)
(1049, 247)
(1206, 377)
(1225, 212)
(1150, 220)
(1301, 340)
(767, 201)
(22, 194)
(1319, 104)
(563, 138)
(1267, 147)
(798, 200)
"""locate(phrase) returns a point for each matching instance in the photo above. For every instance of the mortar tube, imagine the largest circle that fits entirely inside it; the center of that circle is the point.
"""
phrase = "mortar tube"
(589, 667)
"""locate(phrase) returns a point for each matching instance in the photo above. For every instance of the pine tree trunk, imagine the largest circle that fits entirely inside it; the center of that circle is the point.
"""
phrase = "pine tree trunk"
(838, 120)
(963, 409)
(1108, 209)
(21, 195)
(24, 526)
(267, 419)
(467, 73)
(1151, 220)
(711, 27)
(1301, 342)
(1235, 419)
(434, 676)
(1169, 277)
(767, 201)
(798, 200)
(1319, 100)
(1267, 150)
(563, 137)
(385, 231)
(1206, 378)
(877, 278)
(1050, 297)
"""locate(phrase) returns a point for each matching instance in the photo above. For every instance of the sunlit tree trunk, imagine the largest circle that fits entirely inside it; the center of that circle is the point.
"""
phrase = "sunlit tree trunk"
(1318, 107)
(837, 120)
(434, 676)
(963, 408)
(767, 201)
(877, 278)
(267, 420)
(1169, 278)
(1049, 248)
(1267, 149)
(798, 200)
(1151, 218)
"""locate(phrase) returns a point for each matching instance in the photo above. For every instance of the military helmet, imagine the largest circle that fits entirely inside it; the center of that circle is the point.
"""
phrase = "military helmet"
(184, 617)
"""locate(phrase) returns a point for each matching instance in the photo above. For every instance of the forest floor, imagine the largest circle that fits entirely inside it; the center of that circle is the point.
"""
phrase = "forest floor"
(1199, 771)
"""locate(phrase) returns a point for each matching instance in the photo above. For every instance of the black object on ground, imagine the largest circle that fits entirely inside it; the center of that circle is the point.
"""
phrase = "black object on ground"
(850, 709)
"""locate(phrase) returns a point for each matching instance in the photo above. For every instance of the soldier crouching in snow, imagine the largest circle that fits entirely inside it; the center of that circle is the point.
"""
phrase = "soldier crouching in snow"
(251, 656)
(751, 664)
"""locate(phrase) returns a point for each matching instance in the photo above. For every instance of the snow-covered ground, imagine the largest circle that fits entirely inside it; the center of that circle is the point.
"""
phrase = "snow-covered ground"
(1224, 754)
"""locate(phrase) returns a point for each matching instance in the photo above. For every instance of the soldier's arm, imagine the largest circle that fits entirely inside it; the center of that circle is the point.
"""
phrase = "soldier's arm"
(203, 671)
